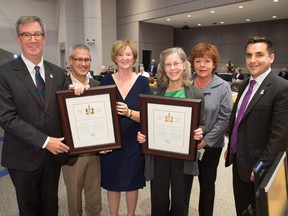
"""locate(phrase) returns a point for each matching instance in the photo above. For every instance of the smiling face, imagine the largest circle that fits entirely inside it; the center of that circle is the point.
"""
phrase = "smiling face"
(31, 48)
(174, 67)
(203, 66)
(125, 59)
(258, 60)
(80, 63)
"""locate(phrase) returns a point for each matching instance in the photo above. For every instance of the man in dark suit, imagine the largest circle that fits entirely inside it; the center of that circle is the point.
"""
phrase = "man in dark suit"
(263, 129)
(152, 68)
(82, 172)
(31, 123)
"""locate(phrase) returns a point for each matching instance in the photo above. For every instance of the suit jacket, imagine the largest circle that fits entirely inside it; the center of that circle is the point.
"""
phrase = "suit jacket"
(263, 130)
(238, 76)
(93, 83)
(154, 70)
(22, 116)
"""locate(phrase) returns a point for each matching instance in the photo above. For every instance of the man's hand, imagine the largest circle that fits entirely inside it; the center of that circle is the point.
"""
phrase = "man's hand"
(225, 154)
(252, 177)
(105, 151)
(55, 146)
(78, 88)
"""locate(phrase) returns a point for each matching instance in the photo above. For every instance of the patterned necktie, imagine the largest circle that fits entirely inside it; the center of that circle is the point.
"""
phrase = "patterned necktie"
(40, 84)
(240, 115)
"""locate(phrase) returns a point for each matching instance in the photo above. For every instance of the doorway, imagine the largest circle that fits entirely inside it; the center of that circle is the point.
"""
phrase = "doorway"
(146, 58)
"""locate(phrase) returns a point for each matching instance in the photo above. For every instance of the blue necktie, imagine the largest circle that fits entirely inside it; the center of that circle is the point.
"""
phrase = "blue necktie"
(240, 115)
(40, 84)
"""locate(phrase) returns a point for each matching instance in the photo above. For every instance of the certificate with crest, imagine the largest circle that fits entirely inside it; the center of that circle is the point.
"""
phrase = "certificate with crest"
(168, 124)
(90, 122)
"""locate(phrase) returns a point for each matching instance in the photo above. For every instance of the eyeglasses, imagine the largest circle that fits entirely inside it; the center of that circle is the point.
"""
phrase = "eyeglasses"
(28, 36)
(175, 65)
(80, 60)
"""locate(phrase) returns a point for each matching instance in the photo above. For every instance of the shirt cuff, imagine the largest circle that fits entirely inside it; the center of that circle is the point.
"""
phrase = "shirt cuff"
(46, 142)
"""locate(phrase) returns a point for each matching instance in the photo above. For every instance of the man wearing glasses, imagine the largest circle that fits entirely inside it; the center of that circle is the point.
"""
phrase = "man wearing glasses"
(82, 172)
(30, 118)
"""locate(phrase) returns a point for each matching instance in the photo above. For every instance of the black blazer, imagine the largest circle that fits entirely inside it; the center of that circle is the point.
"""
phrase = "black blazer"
(238, 76)
(154, 71)
(25, 122)
(263, 131)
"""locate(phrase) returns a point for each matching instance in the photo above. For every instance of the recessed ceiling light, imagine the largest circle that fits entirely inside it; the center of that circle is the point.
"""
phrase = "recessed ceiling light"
(212, 11)
(222, 22)
(274, 17)
(275, 0)
(188, 15)
(241, 6)
(199, 24)
(168, 19)
(248, 20)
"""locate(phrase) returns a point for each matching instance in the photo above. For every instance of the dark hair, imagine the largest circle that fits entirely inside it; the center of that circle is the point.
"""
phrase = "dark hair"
(205, 49)
(261, 39)
(29, 19)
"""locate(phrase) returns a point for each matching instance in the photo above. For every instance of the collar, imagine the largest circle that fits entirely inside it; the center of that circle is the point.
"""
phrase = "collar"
(261, 77)
(31, 65)
(74, 80)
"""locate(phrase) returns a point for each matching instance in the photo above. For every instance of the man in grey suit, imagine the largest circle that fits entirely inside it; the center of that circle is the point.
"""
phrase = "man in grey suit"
(262, 132)
(32, 126)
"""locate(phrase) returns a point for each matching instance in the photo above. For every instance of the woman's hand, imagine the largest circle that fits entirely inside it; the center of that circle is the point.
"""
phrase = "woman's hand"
(198, 134)
(201, 145)
(141, 137)
(122, 109)
(78, 88)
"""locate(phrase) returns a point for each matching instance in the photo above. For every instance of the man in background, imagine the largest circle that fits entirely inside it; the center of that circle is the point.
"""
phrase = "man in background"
(104, 71)
(259, 130)
(30, 118)
(82, 172)
(142, 72)
(283, 73)
(152, 68)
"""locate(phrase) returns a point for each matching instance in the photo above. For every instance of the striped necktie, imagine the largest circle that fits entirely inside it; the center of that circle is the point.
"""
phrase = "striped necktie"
(40, 84)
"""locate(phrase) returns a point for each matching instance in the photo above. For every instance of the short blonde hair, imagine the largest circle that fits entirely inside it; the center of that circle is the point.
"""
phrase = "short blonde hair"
(120, 45)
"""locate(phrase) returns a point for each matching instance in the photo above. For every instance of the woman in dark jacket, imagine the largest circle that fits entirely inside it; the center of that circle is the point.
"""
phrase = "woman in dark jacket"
(173, 80)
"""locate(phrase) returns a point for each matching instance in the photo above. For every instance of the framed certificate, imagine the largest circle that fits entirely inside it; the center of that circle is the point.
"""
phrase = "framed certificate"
(168, 124)
(90, 122)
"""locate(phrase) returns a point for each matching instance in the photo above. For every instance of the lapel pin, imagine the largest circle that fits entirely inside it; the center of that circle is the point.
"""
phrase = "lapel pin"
(262, 92)
(51, 76)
